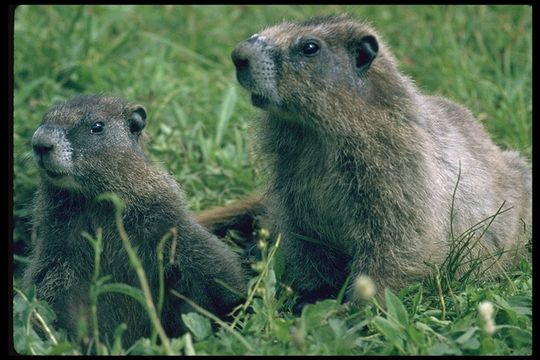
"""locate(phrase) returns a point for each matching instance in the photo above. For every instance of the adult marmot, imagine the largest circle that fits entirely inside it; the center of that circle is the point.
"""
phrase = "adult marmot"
(363, 167)
(91, 145)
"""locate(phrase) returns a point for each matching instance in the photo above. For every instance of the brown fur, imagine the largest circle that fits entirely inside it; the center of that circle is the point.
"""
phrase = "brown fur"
(242, 216)
(365, 165)
(76, 165)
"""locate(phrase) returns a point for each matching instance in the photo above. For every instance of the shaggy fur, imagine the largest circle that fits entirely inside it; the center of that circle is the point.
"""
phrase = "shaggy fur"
(363, 166)
(77, 163)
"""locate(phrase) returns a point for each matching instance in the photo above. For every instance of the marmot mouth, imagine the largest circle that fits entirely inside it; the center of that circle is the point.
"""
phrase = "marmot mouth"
(259, 101)
(54, 174)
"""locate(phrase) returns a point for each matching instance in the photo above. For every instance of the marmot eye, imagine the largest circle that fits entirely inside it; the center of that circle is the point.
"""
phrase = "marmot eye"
(310, 48)
(97, 127)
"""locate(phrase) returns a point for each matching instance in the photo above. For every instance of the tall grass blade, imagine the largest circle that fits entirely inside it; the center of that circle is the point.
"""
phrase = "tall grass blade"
(226, 110)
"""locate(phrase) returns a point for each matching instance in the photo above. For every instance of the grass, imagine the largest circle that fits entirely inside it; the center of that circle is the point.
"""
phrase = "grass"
(175, 61)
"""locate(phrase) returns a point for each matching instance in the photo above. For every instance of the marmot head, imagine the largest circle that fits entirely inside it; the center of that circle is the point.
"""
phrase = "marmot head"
(84, 144)
(319, 68)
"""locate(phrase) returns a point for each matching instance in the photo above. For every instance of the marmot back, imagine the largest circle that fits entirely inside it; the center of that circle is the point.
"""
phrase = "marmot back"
(91, 145)
(365, 165)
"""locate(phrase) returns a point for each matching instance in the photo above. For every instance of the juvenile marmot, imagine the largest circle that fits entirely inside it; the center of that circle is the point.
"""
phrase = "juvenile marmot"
(363, 166)
(91, 145)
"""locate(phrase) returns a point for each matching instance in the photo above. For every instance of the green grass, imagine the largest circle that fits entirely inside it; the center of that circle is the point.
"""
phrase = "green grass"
(175, 61)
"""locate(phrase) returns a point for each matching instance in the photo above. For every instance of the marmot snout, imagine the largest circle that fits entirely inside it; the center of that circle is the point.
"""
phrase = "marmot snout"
(52, 152)
(257, 69)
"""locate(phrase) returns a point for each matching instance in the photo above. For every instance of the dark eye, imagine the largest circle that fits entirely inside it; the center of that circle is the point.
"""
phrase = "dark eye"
(310, 48)
(97, 127)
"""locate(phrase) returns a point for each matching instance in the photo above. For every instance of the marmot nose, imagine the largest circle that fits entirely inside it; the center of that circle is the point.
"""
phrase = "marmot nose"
(41, 143)
(244, 52)
(240, 56)
(42, 149)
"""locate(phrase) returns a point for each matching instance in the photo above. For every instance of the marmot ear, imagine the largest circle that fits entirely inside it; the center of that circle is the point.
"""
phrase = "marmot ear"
(137, 119)
(366, 51)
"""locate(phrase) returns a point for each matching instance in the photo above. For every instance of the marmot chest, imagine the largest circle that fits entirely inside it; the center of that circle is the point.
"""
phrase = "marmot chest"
(316, 199)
